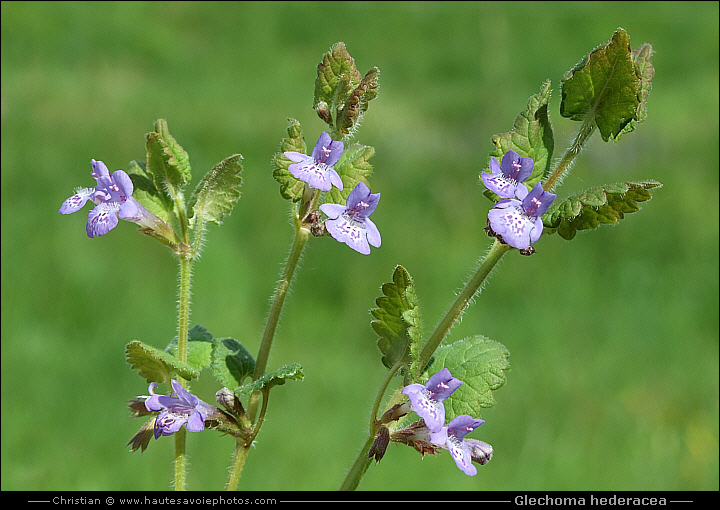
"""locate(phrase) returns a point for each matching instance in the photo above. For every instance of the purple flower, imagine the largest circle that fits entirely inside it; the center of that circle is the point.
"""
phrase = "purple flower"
(519, 222)
(317, 170)
(179, 408)
(113, 199)
(427, 399)
(505, 179)
(451, 437)
(350, 223)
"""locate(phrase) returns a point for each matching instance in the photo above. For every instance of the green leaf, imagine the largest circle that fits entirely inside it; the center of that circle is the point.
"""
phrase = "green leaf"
(337, 76)
(397, 319)
(231, 362)
(605, 87)
(480, 363)
(277, 377)
(200, 344)
(342, 94)
(155, 200)
(167, 162)
(290, 187)
(641, 58)
(589, 209)
(353, 167)
(217, 193)
(531, 137)
(155, 365)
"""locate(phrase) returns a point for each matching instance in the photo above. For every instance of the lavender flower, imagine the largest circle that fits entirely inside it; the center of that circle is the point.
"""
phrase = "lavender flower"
(350, 223)
(113, 199)
(317, 170)
(504, 180)
(427, 399)
(519, 222)
(181, 407)
(451, 437)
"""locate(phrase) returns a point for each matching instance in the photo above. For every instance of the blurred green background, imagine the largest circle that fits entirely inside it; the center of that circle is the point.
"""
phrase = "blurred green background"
(613, 336)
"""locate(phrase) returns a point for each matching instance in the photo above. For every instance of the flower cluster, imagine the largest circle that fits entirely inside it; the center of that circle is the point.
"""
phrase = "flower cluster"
(113, 199)
(517, 219)
(427, 402)
(349, 223)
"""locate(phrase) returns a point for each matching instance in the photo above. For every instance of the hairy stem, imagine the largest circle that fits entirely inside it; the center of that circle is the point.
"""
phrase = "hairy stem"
(463, 299)
(584, 133)
(182, 352)
(241, 451)
(358, 469)
(302, 234)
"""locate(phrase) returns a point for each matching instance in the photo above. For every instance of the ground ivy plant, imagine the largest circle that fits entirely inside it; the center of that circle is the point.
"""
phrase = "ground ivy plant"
(434, 390)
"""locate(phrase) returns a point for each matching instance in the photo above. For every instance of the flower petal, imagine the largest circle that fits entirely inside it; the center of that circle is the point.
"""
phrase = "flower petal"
(373, 234)
(196, 422)
(123, 182)
(77, 201)
(442, 384)
(297, 157)
(430, 410)
(350, 233)
(313, 174)
(102, 219)
(461, 455)
(510, 223)
(332, 210)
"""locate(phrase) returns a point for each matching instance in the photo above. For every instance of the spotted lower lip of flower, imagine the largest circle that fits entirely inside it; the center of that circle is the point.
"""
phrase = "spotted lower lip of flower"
(181, 407)
(350, 223)
(504, 179)
(519, 222)
(317, 169)
(452, 438)
(427, 399)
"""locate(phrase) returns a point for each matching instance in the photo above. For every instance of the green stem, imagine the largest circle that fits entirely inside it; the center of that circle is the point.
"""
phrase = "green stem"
(362, 462)
(184, 306)
(180, 460)
(242, 447)
(241, 451)
(458, 307)
(378, 399)
(302, 234)
(182, 352)
(584, 133)
(358, 469)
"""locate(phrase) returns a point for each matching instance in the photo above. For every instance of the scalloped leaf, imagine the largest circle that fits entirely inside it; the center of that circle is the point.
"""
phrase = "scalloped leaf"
(481, 364)
(353, 167)
(290, 187)
(167, 162)
(605, 86)
(155, 365)
(293, 371)
(337, 76)
(231, 362)
(397, 319)
(200, 344)
(591, 208)
(531, 137)
(215, 196)
(641, 58)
